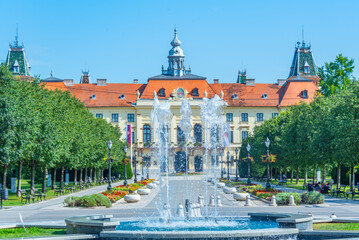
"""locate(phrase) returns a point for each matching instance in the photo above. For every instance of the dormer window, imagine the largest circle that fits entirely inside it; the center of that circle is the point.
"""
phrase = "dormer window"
(93, 96)
(264, 96)
(306, 67)
(122, 96)
(304, 94)
(195, 92)
(16, 69)
(235, 96)
(162, 92)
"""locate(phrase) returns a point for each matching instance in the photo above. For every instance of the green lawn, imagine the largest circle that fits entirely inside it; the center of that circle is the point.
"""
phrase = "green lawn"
(337, 226)
(31, 232)
(15, 201)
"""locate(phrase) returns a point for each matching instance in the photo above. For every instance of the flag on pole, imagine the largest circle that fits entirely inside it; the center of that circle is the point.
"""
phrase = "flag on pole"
(129, 135)
(225, 128)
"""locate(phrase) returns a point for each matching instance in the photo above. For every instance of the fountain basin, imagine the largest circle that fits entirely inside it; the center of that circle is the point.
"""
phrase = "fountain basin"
(151, 186)
(132, 198)
(221, 185)
(200, 228)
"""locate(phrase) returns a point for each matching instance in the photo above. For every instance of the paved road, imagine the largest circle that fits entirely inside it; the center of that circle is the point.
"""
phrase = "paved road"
(52, 210)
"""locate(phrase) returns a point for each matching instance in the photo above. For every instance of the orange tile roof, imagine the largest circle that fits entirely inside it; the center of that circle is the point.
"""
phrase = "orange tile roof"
(108, 95)
(169, 85)
(248, 96)
(54, 85)
(290, 94)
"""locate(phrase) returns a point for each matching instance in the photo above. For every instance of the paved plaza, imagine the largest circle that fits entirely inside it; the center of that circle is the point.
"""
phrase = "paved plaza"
(53, 210)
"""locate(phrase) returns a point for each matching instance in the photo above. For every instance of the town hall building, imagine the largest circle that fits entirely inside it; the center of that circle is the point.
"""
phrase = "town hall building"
(247, 103)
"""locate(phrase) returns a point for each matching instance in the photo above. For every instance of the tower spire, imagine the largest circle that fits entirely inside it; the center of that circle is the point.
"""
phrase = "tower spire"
(17, 36)
(302, 34)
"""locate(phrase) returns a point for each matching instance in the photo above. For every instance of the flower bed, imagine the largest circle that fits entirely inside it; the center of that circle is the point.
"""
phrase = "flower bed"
(121, 191)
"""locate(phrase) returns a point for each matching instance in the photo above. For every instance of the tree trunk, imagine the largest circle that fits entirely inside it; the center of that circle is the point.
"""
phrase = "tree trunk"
(286, 172)
(351, 177)
(81, 176)
(75, 177)
(297, 180)
(19, 179)
(306, 175)
(4, 176)
(32, 185)
(314, 171)
(102, 173)
(324, 173)
(85, 175)
(54, 179)
(338, 175)
(44, 174)
(62, 177)
(91, 174)
(291, 175)
(280, 174)
(95, 175)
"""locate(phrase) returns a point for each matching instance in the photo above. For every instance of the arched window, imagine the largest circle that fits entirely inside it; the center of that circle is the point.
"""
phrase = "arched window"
(198, 133)
(122, 96)
(162, 92)
(146, 135)
(235, 96)
(195, 92)
(180, 135)
(304, 94)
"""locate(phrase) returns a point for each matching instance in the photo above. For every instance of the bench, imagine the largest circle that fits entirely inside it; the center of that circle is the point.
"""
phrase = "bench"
(339, 191)
(353, 193)
(39, 195)
(68, 188)
(58, 191)
(27, 197)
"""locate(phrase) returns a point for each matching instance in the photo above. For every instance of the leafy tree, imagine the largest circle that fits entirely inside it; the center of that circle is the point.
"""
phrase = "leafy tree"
(336, 76)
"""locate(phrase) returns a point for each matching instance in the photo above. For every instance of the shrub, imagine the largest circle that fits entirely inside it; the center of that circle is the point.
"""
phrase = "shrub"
(283, 198)
(88, 201)
(312, 197)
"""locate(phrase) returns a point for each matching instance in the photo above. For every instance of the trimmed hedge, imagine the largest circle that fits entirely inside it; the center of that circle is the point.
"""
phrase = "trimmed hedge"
(313, 197)
(283, 198)
(93, 200)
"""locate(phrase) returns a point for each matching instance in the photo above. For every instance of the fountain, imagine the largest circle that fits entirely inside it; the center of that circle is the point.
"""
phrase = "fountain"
(187, 221)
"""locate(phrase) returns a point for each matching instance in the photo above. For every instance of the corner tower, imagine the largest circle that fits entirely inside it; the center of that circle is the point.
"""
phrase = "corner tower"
(16, 59)
(303, 63)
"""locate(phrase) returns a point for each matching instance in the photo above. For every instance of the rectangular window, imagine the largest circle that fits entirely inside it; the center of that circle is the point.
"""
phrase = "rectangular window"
(114, 117)
(244, 117)
(99, 115)
(130, 117)
(133, 137)
(260, 117)
(229, 117)
(231, 136)
(244, 135)
(274, 115)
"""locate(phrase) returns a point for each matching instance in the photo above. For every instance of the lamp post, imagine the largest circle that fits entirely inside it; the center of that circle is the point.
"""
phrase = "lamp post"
(222, 170)
(125, 182)
(237, 157)
(147, 165)
(135, 180)
(249, 165)
(267, 143)
(109, 145)
(228, 166)
(142, 175)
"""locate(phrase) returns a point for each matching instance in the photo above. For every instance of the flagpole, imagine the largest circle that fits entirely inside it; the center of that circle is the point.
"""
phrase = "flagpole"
(130, 142)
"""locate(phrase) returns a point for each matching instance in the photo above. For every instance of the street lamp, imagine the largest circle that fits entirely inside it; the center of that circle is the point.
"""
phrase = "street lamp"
(135, 180)
(237, 157)
(142, 175)
(249, 165)
(228, 166)
(125, 182)
(222, 170)
(109, 145)
(267, 143)
(147, 164)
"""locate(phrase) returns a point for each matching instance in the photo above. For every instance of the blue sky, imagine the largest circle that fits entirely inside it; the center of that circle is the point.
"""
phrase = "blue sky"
(123, 40)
